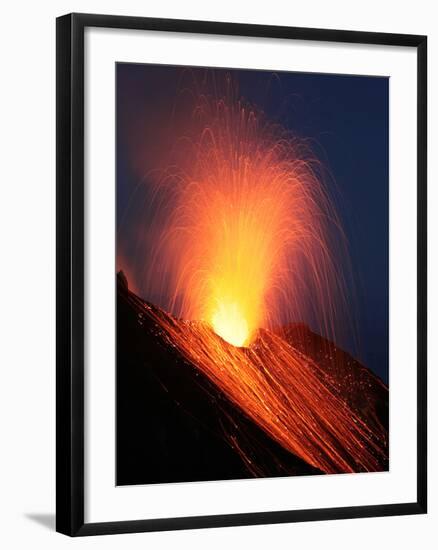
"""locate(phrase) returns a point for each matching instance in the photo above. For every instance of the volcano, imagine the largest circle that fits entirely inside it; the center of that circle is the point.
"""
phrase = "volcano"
(176, 423)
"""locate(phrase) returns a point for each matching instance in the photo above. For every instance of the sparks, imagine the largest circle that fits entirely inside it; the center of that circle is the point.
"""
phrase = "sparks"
(245, 235)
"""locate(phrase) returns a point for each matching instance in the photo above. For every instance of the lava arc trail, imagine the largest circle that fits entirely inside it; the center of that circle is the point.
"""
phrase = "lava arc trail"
(279, 389)
(245, 235)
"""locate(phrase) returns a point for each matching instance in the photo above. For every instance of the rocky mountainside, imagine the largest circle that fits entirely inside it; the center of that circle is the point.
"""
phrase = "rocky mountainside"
(365, 393)
(175, 425)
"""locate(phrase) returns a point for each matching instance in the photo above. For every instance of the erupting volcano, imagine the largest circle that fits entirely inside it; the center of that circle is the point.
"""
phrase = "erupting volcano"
(244, 242)
(250, 237)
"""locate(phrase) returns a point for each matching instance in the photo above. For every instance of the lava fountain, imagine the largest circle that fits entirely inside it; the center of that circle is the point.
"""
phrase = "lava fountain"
(249, 229)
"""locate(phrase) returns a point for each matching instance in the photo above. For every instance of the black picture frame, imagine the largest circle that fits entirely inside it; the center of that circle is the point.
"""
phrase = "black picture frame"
(70, 273)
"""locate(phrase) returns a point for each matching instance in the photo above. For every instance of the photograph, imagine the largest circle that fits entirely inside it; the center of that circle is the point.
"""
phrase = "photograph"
(252, 274)
(217, 250)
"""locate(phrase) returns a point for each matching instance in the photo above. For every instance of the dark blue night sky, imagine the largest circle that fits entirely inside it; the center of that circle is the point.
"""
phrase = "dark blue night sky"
(346, 119)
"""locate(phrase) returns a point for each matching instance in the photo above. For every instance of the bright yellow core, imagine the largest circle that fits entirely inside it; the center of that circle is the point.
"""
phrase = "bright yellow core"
(229, 323)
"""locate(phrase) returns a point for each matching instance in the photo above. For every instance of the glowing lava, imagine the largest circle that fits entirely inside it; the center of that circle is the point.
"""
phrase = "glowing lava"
(243, 234)
(228, 322)
(284, 392)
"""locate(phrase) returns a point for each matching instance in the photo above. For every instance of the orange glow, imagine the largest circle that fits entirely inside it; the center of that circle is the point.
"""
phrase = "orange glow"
(229, 323)
(250, 233)
(285, 393)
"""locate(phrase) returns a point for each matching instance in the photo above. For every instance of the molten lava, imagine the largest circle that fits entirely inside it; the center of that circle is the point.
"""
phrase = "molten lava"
(229, 323)
(285, 393)
(244, 235)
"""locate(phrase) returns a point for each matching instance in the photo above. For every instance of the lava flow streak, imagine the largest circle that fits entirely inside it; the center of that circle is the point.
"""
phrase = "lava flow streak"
(280, 390)
(245, 239)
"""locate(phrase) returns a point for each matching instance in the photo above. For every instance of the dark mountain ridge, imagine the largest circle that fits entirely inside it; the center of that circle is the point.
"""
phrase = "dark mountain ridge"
(175, 425)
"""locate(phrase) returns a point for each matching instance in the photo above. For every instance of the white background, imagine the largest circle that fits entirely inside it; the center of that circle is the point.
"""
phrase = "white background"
(27, 300)
(104, 501)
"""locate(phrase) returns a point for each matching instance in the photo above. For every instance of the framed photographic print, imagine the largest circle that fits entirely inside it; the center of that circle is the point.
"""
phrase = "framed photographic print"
(241, 274)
